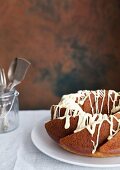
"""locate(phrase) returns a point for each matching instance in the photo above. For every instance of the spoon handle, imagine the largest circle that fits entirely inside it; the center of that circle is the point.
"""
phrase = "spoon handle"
(13, 84)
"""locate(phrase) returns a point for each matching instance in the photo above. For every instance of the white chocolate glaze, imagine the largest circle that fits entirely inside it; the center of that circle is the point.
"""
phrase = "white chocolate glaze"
(73, 107)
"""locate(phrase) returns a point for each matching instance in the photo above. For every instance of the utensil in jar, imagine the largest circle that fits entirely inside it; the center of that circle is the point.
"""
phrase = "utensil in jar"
(17, 71)
(2, 102)
(2, 80)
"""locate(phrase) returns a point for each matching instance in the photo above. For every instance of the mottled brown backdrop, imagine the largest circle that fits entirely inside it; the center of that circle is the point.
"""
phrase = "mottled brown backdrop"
(72, 45)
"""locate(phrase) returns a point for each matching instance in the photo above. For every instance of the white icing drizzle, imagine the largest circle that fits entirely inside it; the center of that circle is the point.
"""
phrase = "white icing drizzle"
(87, 120)
(112, 131)
(103, 98)
(108, 103)
(91, 104)
(96, 144)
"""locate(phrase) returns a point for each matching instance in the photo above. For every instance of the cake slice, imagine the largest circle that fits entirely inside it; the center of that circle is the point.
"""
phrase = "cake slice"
(112, 146)
(56, 128)
(81, 142)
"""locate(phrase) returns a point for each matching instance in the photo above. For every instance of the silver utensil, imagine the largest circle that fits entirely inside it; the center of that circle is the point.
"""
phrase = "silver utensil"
(2, 80)
(17, 71)
(3, 121)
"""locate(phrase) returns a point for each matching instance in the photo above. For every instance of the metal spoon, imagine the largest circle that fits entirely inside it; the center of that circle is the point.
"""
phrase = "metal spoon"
(17, 71)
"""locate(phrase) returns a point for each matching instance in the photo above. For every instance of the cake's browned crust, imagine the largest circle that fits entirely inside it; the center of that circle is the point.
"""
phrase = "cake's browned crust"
(97, 154)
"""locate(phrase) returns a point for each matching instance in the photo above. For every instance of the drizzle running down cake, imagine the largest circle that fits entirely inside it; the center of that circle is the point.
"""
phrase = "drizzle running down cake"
(87, 123)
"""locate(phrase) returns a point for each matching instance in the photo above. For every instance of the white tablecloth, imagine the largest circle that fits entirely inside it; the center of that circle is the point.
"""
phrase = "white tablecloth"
(17, 151)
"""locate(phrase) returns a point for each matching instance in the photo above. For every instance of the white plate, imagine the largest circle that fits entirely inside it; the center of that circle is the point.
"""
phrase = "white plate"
(46, 145)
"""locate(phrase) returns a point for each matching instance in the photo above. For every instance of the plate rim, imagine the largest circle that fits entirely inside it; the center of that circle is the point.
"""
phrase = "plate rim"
(34, 129)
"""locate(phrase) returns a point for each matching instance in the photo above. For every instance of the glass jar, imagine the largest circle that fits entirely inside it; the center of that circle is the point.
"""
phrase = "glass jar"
(9, 108)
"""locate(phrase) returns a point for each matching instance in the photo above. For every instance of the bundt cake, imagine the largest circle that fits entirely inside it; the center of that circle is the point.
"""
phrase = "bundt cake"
(87, 123)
